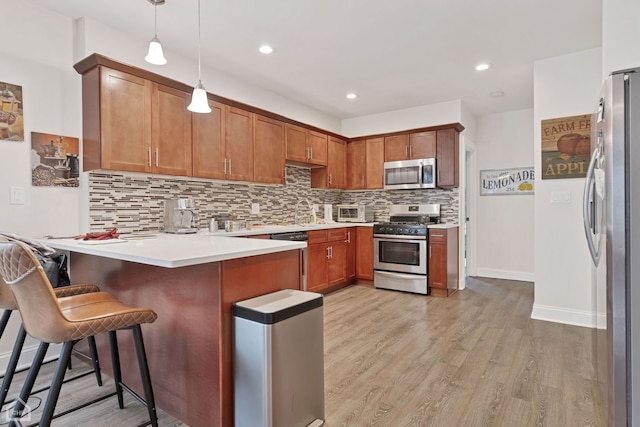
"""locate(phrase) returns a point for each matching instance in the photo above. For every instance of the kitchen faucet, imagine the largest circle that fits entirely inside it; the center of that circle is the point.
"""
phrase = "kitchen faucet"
(295, 221)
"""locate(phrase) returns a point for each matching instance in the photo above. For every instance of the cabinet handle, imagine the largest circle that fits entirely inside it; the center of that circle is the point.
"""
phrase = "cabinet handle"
(331, 252)
(328, 252)
(348, 237)
(363, 180)
(229, 166)
(225, 166)
(311, 152)
(429, 251)
(410, 153)
(149, 153)
(157, 156)
(330, 179)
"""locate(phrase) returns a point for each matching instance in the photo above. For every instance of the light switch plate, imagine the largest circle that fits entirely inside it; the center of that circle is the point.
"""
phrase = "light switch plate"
(17, 196)
(560, 197)
(255, 208)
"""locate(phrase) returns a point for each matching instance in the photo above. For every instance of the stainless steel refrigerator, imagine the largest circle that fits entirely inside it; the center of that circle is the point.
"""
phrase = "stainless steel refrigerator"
(612, 227)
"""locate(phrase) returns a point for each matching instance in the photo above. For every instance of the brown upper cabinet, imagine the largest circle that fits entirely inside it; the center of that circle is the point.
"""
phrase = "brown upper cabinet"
(132, 124)
(447, 157)
(223, 143)
(305, 146)
(268, 150)
(334, 175)
(365, 163)
(419, 145)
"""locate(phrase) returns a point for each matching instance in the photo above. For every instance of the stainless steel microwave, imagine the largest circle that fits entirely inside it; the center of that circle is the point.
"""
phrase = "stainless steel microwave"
(355, 213)
(409, 174)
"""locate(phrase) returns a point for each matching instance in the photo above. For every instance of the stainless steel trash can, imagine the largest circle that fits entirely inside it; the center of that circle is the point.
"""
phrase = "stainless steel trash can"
(278, 362)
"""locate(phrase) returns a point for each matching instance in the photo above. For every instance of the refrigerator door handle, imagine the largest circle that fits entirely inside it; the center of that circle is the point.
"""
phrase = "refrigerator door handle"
(588, 212)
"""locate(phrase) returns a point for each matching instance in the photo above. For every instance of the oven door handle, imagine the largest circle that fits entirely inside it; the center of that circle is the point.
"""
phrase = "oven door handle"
(399, 237)
(398, 275)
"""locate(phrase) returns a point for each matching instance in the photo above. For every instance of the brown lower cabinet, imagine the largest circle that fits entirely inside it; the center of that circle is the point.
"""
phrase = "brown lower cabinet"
(443, 261)
(351, 252)
(326, 258)
(364, 253)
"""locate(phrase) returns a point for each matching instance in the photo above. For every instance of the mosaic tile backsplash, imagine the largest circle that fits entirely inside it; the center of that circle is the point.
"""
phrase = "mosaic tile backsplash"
(135, 202)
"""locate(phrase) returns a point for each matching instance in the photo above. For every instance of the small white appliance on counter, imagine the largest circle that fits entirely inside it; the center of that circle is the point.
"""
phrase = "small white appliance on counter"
(355, 213)
(179, 217)
(410, 174)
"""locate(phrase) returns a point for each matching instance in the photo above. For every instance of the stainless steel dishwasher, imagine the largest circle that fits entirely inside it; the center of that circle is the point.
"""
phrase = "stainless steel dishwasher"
(296, 236)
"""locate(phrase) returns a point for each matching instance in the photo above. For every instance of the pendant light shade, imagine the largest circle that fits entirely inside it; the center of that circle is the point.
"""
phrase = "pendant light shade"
(199, 101)
(155, 55)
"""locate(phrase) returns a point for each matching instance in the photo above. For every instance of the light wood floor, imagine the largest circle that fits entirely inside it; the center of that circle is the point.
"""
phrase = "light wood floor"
(396, 359)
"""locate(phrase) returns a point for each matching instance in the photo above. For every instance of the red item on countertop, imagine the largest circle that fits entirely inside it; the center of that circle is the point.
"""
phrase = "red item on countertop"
(101, 235)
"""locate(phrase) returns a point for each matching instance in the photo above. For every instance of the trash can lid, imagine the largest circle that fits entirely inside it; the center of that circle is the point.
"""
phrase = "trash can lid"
(277, 306)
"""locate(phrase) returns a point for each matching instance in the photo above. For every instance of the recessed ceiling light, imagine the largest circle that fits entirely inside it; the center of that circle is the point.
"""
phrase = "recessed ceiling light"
(497, 94)
(483, 66)
(352, 95)
(266, 49)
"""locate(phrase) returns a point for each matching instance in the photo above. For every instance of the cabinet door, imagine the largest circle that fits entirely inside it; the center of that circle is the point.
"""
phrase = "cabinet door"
(337, 163)
(422, 145)
(125, 105)
(396, 148)
(337, 268)
(238, 144)
(296, 140)
(268, 150)
(317, 264)
(317, 143)
(447, 158)
(351, 253)
(208, 142)
(356, 152)
(170, 131)
(364, 253)
(438, 265)
(374, 163)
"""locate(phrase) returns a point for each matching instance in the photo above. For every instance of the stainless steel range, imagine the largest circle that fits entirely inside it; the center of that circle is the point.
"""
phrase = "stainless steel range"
(400, 248)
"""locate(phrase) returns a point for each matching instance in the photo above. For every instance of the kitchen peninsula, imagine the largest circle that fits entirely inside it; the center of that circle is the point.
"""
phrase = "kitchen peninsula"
(191, 281)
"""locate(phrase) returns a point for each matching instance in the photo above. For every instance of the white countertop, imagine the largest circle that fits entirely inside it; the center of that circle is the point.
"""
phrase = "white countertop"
(442, 225)
(271, 229)
(172, 250)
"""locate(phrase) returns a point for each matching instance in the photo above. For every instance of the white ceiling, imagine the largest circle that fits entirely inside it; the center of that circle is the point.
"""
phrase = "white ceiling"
(394, 53)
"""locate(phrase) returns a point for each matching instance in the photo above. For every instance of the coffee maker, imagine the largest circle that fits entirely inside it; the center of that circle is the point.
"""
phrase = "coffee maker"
(179, 217)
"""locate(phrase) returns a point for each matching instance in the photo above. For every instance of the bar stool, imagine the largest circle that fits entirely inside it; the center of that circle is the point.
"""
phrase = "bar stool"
(70, 319)
(8, 303)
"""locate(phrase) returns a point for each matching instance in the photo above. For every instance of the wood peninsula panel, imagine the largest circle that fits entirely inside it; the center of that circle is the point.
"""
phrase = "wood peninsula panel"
(189, 345)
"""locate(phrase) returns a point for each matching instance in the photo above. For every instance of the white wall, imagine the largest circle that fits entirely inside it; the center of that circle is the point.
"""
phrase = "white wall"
(95, 37)
(408, 118)
(505, 224)
(620, 35)
(563, 86)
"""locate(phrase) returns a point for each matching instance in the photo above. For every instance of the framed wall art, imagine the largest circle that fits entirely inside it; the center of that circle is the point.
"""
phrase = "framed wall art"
(11, 119)
(54, 160)
(566, 147)
(515, 181)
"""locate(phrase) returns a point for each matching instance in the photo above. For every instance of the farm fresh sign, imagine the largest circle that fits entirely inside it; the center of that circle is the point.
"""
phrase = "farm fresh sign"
(506, 181)
(566, 147)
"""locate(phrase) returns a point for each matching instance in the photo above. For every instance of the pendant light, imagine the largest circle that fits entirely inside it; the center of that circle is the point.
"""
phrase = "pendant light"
(155, 55)
(199, 101)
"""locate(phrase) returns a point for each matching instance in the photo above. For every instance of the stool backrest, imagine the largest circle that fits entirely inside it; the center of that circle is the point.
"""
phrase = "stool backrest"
(7, 301)
(36, 300)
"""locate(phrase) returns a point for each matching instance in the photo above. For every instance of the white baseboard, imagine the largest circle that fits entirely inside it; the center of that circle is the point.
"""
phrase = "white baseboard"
(548, 313)
(27, 355)
(505, 274)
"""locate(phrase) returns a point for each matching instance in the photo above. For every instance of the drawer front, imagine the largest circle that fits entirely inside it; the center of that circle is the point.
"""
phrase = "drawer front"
(437, 235)
(337, 234)
(317, 236)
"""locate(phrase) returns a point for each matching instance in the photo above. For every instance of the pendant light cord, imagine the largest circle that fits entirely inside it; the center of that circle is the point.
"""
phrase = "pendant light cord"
(199, 37)
(155, 19)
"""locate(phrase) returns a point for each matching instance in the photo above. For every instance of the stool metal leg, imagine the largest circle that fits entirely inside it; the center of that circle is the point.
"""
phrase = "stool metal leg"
(94, 358)
(144, 374)
(56, 384)
(115, 362)
(13, 363)
(30, 380)
(4, 320)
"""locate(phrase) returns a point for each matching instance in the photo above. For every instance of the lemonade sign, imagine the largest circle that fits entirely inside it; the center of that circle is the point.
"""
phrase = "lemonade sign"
(507, 181)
